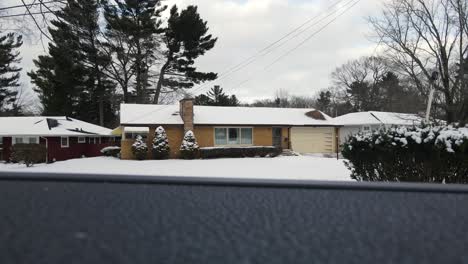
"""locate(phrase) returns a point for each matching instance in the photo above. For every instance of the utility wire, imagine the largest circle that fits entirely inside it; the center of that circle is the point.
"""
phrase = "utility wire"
(295, 47)
(35, 22)
(271, 47)
(284, 55)
(29, 14)
(311, 36)
(30, 5)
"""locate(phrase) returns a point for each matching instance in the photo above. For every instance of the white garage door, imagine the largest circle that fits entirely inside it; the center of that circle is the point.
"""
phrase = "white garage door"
(312, 139)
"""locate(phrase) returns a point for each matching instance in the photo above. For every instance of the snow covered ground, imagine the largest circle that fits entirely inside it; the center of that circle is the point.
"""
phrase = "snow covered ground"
(301, 167)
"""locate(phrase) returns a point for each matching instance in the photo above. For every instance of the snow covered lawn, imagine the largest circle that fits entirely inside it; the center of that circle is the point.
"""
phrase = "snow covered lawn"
(302, 167)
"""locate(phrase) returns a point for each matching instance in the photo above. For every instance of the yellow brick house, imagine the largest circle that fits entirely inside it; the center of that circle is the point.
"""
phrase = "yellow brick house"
(301, 130)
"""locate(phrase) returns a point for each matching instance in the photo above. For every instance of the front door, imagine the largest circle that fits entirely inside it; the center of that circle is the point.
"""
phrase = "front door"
(277, 137)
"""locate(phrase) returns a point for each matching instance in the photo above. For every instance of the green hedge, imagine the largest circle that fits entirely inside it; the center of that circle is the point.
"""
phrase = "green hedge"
(28, 154)
(238, 152)
(417, 154)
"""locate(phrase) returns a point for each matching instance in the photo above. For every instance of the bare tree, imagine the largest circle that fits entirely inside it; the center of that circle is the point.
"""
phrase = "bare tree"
(358, 82)
(422, 36)
(365, 69)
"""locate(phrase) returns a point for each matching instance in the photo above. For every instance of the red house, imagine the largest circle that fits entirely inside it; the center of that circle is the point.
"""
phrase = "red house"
(64, 137)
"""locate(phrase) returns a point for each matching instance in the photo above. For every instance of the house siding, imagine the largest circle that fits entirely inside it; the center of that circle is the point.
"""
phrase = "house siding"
(175, 135)
(6, 149)
(56, 153)
(348, 131)
(205, 136)
(262, 136)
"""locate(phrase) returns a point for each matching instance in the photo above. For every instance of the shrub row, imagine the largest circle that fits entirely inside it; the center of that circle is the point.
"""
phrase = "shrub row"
(238, 152)
(29, 154)
(420, 154)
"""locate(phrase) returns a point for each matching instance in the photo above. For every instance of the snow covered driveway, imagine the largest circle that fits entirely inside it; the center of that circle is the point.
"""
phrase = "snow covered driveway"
(302, 167)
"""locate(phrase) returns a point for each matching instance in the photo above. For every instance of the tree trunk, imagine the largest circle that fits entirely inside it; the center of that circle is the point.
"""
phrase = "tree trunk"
(101, 112)
(157, 93)
(125, 94)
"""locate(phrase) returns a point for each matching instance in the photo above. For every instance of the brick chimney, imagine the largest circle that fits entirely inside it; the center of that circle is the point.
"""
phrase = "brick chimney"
(186, 112)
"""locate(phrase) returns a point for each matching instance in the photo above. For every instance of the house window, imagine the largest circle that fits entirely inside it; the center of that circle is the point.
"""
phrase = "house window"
(366, 128)
(93, 140)
(25, 140)
(233, 136)
(64, 142)
(134, 135)
(246, 136)
(18, 140)
(81, 140)
(1, 140)
(220, 136)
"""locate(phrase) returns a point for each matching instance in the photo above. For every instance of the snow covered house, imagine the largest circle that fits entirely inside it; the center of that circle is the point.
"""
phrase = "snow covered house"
(302, 130)
(64, 137)
(353, 123)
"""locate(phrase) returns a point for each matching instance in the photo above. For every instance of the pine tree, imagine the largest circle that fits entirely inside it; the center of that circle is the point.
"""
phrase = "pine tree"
(160, 144)
(139, 148)
(132, 36)
(70, 80)
(324, 101)
(9, 71)
(189, 147)
(216, 97)
(186, 38)
(96, 61)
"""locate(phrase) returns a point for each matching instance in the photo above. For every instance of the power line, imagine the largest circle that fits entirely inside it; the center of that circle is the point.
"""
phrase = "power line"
(284, 55)
(35, 22)
(295, 47)
(291, 38)
(286, 35)
(271, 47)
(33, 4)
(312, 35)
(29, 14)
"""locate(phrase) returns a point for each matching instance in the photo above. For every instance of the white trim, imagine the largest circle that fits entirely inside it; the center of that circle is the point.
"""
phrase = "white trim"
(227, 136)
(61, 142)
(81, 141)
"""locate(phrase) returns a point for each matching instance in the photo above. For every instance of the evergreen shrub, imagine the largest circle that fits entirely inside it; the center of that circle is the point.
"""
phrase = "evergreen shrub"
(418, 154)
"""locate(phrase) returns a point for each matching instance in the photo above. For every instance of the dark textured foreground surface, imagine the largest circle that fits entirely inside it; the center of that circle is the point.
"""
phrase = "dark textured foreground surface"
(71, 222)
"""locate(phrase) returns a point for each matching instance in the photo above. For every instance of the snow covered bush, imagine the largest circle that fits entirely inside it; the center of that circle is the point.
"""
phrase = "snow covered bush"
(139, 148)
(29, 154)
(111, 151)
(189, 148)
(160, 144)
(422, 154)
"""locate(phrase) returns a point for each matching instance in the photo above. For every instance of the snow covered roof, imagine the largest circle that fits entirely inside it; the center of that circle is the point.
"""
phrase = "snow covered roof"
(49, 126)
(118, 130)
(150, 114)
(378, 118)
(134, 114)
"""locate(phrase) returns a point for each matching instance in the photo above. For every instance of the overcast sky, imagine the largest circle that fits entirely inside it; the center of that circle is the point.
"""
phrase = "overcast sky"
(244, 27)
